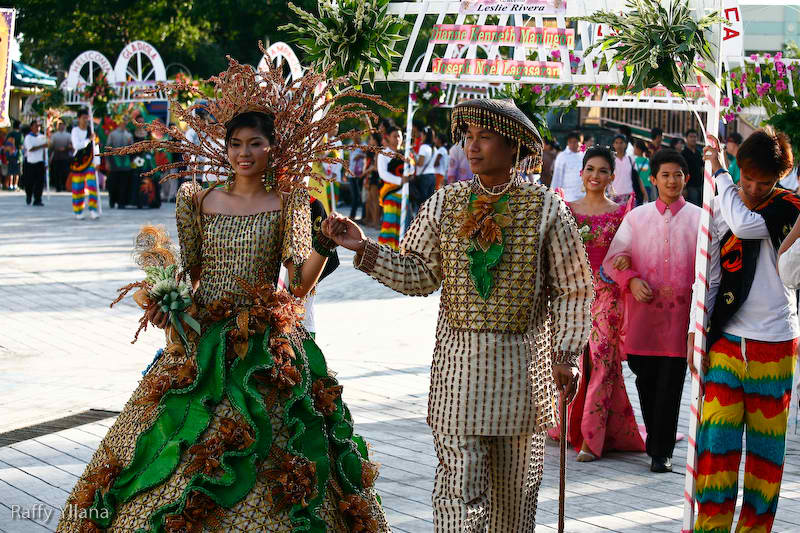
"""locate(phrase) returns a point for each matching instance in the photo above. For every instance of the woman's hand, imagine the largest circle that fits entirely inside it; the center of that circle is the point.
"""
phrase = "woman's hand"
(622, 262)
(713, 153)
(641, 290)
(157, 317)
(344, 232)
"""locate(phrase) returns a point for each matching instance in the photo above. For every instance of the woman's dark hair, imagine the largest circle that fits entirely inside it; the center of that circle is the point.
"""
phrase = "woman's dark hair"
(427, 136)
(667, 155)
(599, 151)
(377, 138)
(641, 145)
(675, 142)
(252, 119)
(655, 132)
(766, 153)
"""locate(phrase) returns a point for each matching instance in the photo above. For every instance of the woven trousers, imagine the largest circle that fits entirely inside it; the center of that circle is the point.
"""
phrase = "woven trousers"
(486, 483)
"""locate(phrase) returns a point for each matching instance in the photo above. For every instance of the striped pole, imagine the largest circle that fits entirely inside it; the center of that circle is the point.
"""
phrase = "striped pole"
(701, 313)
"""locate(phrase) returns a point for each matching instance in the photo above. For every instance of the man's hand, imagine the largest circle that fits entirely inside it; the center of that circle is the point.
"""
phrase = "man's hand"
(622, 262)
(641, 290)
(713, 153)
(344, 232)
(566, 378)
(690, 356)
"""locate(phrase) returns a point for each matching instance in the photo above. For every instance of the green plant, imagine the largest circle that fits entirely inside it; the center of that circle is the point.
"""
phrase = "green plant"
(49, 99)
(764, 82)
(657, 45)
(355, 38)
(537, 100)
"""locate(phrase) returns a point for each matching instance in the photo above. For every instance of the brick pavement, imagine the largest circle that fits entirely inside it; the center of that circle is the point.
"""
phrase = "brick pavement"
(63, 351)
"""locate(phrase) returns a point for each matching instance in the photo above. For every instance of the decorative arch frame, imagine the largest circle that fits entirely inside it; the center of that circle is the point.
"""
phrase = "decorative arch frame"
(74, 78)
(137, 51)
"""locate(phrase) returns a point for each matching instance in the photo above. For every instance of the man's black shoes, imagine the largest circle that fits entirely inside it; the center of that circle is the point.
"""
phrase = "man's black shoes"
(661, 465)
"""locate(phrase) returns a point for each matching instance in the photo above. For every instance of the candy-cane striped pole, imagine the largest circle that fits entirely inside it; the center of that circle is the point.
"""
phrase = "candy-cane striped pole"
(701, 288)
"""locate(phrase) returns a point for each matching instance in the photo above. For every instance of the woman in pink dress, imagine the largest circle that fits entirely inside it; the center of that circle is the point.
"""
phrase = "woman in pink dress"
(600, 417)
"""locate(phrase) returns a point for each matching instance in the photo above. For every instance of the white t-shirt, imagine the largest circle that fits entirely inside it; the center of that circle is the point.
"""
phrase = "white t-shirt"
(567, 174)
(790, 180)
(442, 167)
(622, 183)
(32, 141)
(425, 151)
(80, 138)
(769, 313)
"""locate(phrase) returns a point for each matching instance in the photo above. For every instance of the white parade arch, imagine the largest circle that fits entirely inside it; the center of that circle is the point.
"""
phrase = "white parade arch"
(141, 54)
(279, 52)
(85, 67)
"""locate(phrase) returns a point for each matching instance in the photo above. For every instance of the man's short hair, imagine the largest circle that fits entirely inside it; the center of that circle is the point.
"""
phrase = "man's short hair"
(626, 131)
(82, 112)
(656, 132)
(690, 131)
(391, 129)
(574, 134)
(667, 155)
(735, 137)
(766, 153)
(620, 136)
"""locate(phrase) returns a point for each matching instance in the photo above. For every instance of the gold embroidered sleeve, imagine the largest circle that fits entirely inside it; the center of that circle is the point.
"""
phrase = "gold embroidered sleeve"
(416, 269)
(569, 284)
(188, 223)
(297, 227)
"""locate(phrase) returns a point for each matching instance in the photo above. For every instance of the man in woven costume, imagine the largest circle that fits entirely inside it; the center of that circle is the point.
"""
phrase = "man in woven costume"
(516, 292)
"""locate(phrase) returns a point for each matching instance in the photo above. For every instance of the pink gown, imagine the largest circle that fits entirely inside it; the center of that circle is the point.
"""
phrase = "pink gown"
(601, 413)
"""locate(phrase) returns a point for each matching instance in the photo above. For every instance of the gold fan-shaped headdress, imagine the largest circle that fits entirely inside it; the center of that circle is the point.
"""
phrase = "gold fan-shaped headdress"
(304, 112)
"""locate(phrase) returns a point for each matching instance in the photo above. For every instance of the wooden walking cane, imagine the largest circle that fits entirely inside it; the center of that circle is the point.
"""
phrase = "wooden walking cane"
(562, 480)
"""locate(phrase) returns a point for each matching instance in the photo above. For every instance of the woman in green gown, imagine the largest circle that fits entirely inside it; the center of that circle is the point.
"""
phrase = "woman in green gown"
(241, 426)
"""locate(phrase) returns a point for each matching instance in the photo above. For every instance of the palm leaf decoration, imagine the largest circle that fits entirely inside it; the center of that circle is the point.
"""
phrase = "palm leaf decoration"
(657, 45)
(357, 37)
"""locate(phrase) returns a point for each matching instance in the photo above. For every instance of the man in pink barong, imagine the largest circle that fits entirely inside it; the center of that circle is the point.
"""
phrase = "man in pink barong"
(656, 242)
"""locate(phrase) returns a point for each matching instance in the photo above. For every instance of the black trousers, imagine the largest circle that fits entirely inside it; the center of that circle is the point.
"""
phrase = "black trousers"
(355, 195)
(120, 187)
(58, 175)
(659, 381)
(34, 181)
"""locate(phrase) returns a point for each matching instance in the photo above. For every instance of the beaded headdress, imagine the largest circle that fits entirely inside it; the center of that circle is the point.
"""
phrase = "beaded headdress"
(504, 117)
(305, 112)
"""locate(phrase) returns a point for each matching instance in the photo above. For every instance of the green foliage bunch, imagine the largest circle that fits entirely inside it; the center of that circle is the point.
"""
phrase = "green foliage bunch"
(51, 98)
(657, 45)
(355, 38)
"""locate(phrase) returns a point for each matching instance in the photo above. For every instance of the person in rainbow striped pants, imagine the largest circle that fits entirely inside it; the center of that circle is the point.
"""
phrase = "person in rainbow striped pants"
(390, 170)
(752, 337)
(82, 176)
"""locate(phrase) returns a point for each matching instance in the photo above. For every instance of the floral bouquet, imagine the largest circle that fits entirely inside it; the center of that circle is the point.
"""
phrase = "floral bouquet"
(99, 93)
(427, 95)
(162, 288)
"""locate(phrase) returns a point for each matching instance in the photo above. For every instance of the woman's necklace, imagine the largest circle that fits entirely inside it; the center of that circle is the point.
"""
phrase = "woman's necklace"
(490, 193)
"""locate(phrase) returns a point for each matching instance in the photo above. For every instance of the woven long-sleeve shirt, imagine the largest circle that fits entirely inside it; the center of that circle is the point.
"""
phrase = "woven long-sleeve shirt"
(492, 364)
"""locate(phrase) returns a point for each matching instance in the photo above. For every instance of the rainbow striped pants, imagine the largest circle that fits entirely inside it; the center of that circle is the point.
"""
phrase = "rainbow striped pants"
(747, 389)
(390, 226)
(84, 184)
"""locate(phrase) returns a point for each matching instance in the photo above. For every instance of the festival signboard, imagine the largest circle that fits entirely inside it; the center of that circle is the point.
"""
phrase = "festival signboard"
(510, 7)
(7, 17)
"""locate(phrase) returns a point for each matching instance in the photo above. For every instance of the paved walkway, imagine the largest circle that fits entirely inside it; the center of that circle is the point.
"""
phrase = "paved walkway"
(63, 351)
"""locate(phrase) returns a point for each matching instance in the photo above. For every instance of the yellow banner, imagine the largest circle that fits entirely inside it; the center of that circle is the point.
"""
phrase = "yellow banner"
(6, 34)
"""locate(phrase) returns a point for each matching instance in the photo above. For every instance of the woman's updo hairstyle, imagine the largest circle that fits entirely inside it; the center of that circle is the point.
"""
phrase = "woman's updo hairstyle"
(599, 151)
(262, 122)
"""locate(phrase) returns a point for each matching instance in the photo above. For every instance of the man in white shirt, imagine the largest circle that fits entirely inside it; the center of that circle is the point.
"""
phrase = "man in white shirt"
(749, 361)
(34, 172)
(82, 172)
(567, 169)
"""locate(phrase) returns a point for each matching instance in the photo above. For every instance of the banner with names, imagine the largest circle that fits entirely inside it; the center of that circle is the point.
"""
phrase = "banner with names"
(512, 7)
(496, 67)
(503, 35)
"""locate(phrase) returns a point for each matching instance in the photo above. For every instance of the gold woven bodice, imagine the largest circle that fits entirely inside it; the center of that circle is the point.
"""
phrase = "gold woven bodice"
(237, 246)
(231, 246)
(508, 307)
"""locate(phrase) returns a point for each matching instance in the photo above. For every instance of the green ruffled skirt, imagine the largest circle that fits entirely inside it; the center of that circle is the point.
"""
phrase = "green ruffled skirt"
(212, 440)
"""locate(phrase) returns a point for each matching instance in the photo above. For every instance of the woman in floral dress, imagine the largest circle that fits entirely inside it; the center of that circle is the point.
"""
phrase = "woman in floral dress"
(600, 417)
